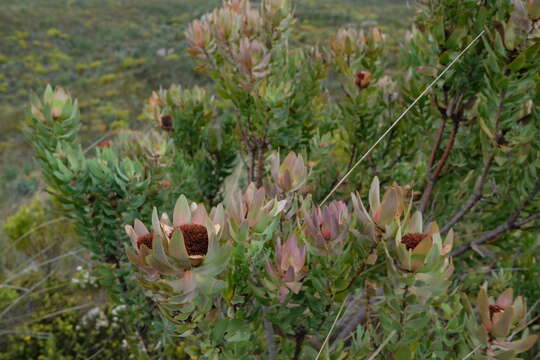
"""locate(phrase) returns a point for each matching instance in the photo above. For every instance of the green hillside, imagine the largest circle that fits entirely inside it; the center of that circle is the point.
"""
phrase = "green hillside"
(111, 54)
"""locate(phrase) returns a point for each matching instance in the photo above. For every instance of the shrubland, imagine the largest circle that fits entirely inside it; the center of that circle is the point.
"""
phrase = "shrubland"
(224, 231)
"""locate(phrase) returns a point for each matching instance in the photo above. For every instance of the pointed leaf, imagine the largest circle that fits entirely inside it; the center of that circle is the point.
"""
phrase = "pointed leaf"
(133, 256)
(482, 302)
(374, 196)
(506, 298)
(182, 212)
(522, 345)
(502, 327)
(177, 247)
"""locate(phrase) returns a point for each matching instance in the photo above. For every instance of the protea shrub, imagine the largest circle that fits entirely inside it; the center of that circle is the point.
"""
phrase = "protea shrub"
(269, 272)
(232, 266)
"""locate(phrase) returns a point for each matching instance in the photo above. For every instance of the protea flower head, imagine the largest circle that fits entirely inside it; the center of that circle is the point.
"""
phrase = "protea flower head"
(225, 24)
(420, 259)
(252, 58)
(151, 146)
(273, 6)
(291, 174)
(156, 109)
(194, 227)
(198, 36)
(327, 225)
(56, 104)
(275, 13)
(153, 105)
(380, 220)
(289, 267)
(376, 35)
(420, 250)
(363, 79)
(346, 42)
(141, 245)
(500, 317)
(179, 258)
(252, 21)
(252, 210)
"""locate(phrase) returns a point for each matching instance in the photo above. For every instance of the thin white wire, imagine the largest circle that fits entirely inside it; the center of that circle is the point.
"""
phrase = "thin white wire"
(472, 352)
(378, 141)
(403, 115)
(379, 349)
(331, 329)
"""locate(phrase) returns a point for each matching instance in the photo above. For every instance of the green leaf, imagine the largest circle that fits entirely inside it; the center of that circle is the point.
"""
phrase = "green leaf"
(177, 247)
(502, 327)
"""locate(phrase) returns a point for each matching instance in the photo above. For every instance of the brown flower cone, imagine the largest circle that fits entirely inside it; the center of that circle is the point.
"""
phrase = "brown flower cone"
(493, 309)
(363, 78)
(195, 238)
(167, 123)
(146, 240)
(412, 240)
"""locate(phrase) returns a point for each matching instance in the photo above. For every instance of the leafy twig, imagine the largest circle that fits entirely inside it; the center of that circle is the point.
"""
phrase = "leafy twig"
(434, 176)
(299, 338)
(436, 145)
(473, 199)
(511, 223)
(270, 337)
(379, 349)
(331, 329)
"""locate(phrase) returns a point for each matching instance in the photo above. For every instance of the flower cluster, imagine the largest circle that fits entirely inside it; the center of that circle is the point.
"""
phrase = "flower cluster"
(251, 210)
(380, 220)
(328, 225)
(182, 258)
(236, 31)
(350, 44)
(289, 175)
(289, 268)
(501, 319)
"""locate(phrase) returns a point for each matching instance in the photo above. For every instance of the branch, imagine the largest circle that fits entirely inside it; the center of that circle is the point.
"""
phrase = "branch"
(511, 223)
(17, 300)
(477, 194)
(436, 145)
(261, 146)
(270, 337)
(299, 338)
(520, 223)
(473, 199)
(252, 166)
(47, 316)
(434, 176)
(354, 315)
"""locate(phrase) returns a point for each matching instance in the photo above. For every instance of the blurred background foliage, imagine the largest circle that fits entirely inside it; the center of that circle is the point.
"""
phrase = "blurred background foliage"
(111, 53)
